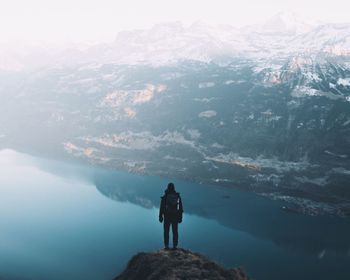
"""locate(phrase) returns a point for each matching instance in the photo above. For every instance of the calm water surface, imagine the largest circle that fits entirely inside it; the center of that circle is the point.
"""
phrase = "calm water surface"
(65, 221)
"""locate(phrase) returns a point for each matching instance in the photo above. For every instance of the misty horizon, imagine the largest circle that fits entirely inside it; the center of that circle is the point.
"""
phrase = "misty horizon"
(289, 17)
(100, 21)
(282, 31)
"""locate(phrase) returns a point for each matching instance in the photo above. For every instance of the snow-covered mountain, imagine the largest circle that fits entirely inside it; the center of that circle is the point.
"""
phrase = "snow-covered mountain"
(280, 37)
(329, 38)
(287, 23)
(283, 35)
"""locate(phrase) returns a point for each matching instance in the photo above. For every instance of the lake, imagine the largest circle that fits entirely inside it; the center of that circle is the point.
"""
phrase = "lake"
(62, 220)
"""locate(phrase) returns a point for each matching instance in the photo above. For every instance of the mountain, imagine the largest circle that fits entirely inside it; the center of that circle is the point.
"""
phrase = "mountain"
(329, 38)
(279, 37)
(261, 111)
(287, 23)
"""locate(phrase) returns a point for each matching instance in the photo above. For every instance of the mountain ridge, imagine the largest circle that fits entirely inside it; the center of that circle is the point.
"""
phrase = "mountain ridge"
(172, 42)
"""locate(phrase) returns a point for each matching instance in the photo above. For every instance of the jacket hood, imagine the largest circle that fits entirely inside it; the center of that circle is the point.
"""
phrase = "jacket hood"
(169, 191)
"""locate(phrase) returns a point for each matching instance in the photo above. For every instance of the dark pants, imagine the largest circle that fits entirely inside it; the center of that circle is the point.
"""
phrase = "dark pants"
(173, 224)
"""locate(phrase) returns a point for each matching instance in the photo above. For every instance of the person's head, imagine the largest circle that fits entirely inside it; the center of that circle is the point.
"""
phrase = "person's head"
(171, 187)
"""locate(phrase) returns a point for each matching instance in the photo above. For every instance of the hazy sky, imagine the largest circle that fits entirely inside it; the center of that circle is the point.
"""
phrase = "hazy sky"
(100, 20)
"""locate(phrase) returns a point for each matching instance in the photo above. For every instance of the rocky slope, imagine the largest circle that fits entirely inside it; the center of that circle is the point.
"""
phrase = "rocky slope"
(179, 264)
(282, 132)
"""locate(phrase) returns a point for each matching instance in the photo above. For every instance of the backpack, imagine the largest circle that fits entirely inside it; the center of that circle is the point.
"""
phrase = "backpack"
(171, 202)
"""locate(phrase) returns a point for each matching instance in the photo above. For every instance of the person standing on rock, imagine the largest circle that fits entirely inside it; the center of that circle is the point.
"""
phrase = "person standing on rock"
(170, 212)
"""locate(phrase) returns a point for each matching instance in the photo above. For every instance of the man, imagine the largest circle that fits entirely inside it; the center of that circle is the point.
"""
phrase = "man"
(170, 212)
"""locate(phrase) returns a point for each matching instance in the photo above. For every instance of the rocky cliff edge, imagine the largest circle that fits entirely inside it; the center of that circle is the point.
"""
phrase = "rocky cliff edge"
(177, 264)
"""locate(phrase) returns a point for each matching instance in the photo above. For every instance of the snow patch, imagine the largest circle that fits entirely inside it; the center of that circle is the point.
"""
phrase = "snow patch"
(144, 140)
(169, 157)
(346, 122)
(206, 85)
(336, 155)
(303, 91)
(344, 82)
(194, 133)
(260, 163)
(217, 146)
(332, 86)
(321, 181)
(312, 77)
(341, 170)
(229, 82)
(204, 100)
(207, 114)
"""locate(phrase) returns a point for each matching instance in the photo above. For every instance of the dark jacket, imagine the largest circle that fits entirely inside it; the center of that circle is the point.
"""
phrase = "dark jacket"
(171, 217)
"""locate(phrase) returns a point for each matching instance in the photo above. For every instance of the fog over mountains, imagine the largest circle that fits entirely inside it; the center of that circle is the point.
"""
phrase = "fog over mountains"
(263, 108)
(283, 35)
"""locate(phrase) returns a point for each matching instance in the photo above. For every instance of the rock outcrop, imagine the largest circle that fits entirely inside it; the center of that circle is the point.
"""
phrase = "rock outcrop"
(178, 264)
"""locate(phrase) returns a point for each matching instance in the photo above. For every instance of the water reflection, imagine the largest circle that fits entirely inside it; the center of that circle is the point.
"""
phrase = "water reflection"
(258, 216)
(54, 212)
